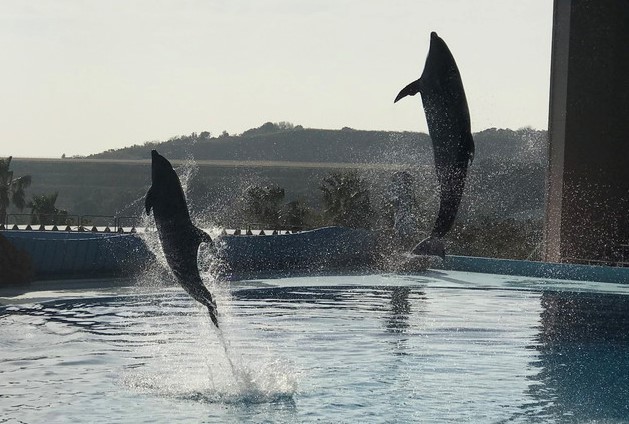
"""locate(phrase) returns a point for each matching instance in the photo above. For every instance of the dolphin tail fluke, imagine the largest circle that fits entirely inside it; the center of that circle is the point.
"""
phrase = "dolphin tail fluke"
(213, 315)
(410, 90)
(431, 246)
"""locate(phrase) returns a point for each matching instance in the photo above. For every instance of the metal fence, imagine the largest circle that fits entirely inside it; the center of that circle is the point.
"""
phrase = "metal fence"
(120, 224)
(79, 223)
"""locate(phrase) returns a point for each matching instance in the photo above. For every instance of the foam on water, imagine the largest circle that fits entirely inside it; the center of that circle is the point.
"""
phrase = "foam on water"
(208, 369)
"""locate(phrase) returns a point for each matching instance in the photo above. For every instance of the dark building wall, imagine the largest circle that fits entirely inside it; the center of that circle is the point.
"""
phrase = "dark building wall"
(588, 206)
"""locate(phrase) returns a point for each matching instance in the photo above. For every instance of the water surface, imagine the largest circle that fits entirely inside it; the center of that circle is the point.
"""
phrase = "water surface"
(434, 347)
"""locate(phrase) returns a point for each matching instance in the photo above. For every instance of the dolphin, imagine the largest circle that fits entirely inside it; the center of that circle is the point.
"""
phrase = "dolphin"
(448, 118)
(180, 239)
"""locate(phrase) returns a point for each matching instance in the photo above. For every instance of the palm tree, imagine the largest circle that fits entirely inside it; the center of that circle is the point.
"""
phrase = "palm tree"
(12, 190)
(44, 211)
(346, 200)
(263, 204)
(295, 214)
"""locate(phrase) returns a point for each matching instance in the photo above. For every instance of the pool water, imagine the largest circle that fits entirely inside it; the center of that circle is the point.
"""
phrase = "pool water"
(433, 347)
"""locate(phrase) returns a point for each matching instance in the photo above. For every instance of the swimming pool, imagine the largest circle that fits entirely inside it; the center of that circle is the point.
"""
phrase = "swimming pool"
(440, 346)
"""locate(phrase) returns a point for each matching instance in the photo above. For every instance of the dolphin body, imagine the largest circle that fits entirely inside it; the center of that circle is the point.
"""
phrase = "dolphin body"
(180, 239)
(448, 118)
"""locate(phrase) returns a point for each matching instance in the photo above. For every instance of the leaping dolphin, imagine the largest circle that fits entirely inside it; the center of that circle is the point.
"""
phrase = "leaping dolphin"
(180, 239)
(448, 118)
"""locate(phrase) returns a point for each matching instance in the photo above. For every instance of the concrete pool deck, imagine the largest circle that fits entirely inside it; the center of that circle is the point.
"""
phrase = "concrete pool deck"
(44, 290)
(555, 271)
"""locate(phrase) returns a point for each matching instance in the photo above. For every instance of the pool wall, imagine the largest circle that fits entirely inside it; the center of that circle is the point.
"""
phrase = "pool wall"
(329, 248)
(60, 254)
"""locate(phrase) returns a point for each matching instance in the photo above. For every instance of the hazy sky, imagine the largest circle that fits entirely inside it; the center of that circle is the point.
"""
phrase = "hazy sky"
(83, 76)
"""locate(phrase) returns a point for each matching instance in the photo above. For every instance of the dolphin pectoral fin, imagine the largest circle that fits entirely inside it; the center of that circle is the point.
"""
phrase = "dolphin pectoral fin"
(203, 237)
(470, 147)
(431, 246)
(148, 201)
(410, 90)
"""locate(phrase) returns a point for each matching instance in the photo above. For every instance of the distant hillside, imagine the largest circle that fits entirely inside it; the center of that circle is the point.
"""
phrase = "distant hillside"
(505, 180)
(285, 142)
(505, 186)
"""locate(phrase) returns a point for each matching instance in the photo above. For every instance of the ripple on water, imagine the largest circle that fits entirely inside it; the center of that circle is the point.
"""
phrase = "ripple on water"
(368, 348)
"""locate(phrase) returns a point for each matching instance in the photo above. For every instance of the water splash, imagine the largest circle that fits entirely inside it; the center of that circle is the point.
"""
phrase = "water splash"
(186, 172)
(209, 370)
(264, 384)
(198, 362)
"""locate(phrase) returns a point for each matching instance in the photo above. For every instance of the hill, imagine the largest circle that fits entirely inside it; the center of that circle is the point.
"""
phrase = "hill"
(285, 142)
(505, 183)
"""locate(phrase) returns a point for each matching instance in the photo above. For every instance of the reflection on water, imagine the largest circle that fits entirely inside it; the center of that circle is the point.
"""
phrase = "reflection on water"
(89, 316)
(583, 349)
(327, 349)
(397, 322)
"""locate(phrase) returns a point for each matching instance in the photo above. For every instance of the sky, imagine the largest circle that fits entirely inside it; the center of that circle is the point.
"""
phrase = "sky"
(83, 76)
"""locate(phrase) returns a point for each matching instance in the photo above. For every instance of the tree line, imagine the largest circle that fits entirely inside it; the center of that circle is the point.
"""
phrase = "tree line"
(348, 198)
(344, 195)
(13, 192)
(347, 201)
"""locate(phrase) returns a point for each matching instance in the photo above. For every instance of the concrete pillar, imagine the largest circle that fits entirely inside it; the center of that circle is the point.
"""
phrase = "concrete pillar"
(587, 211)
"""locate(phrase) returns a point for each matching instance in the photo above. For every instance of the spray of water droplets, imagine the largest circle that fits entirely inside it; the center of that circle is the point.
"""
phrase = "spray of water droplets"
(190, 358)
